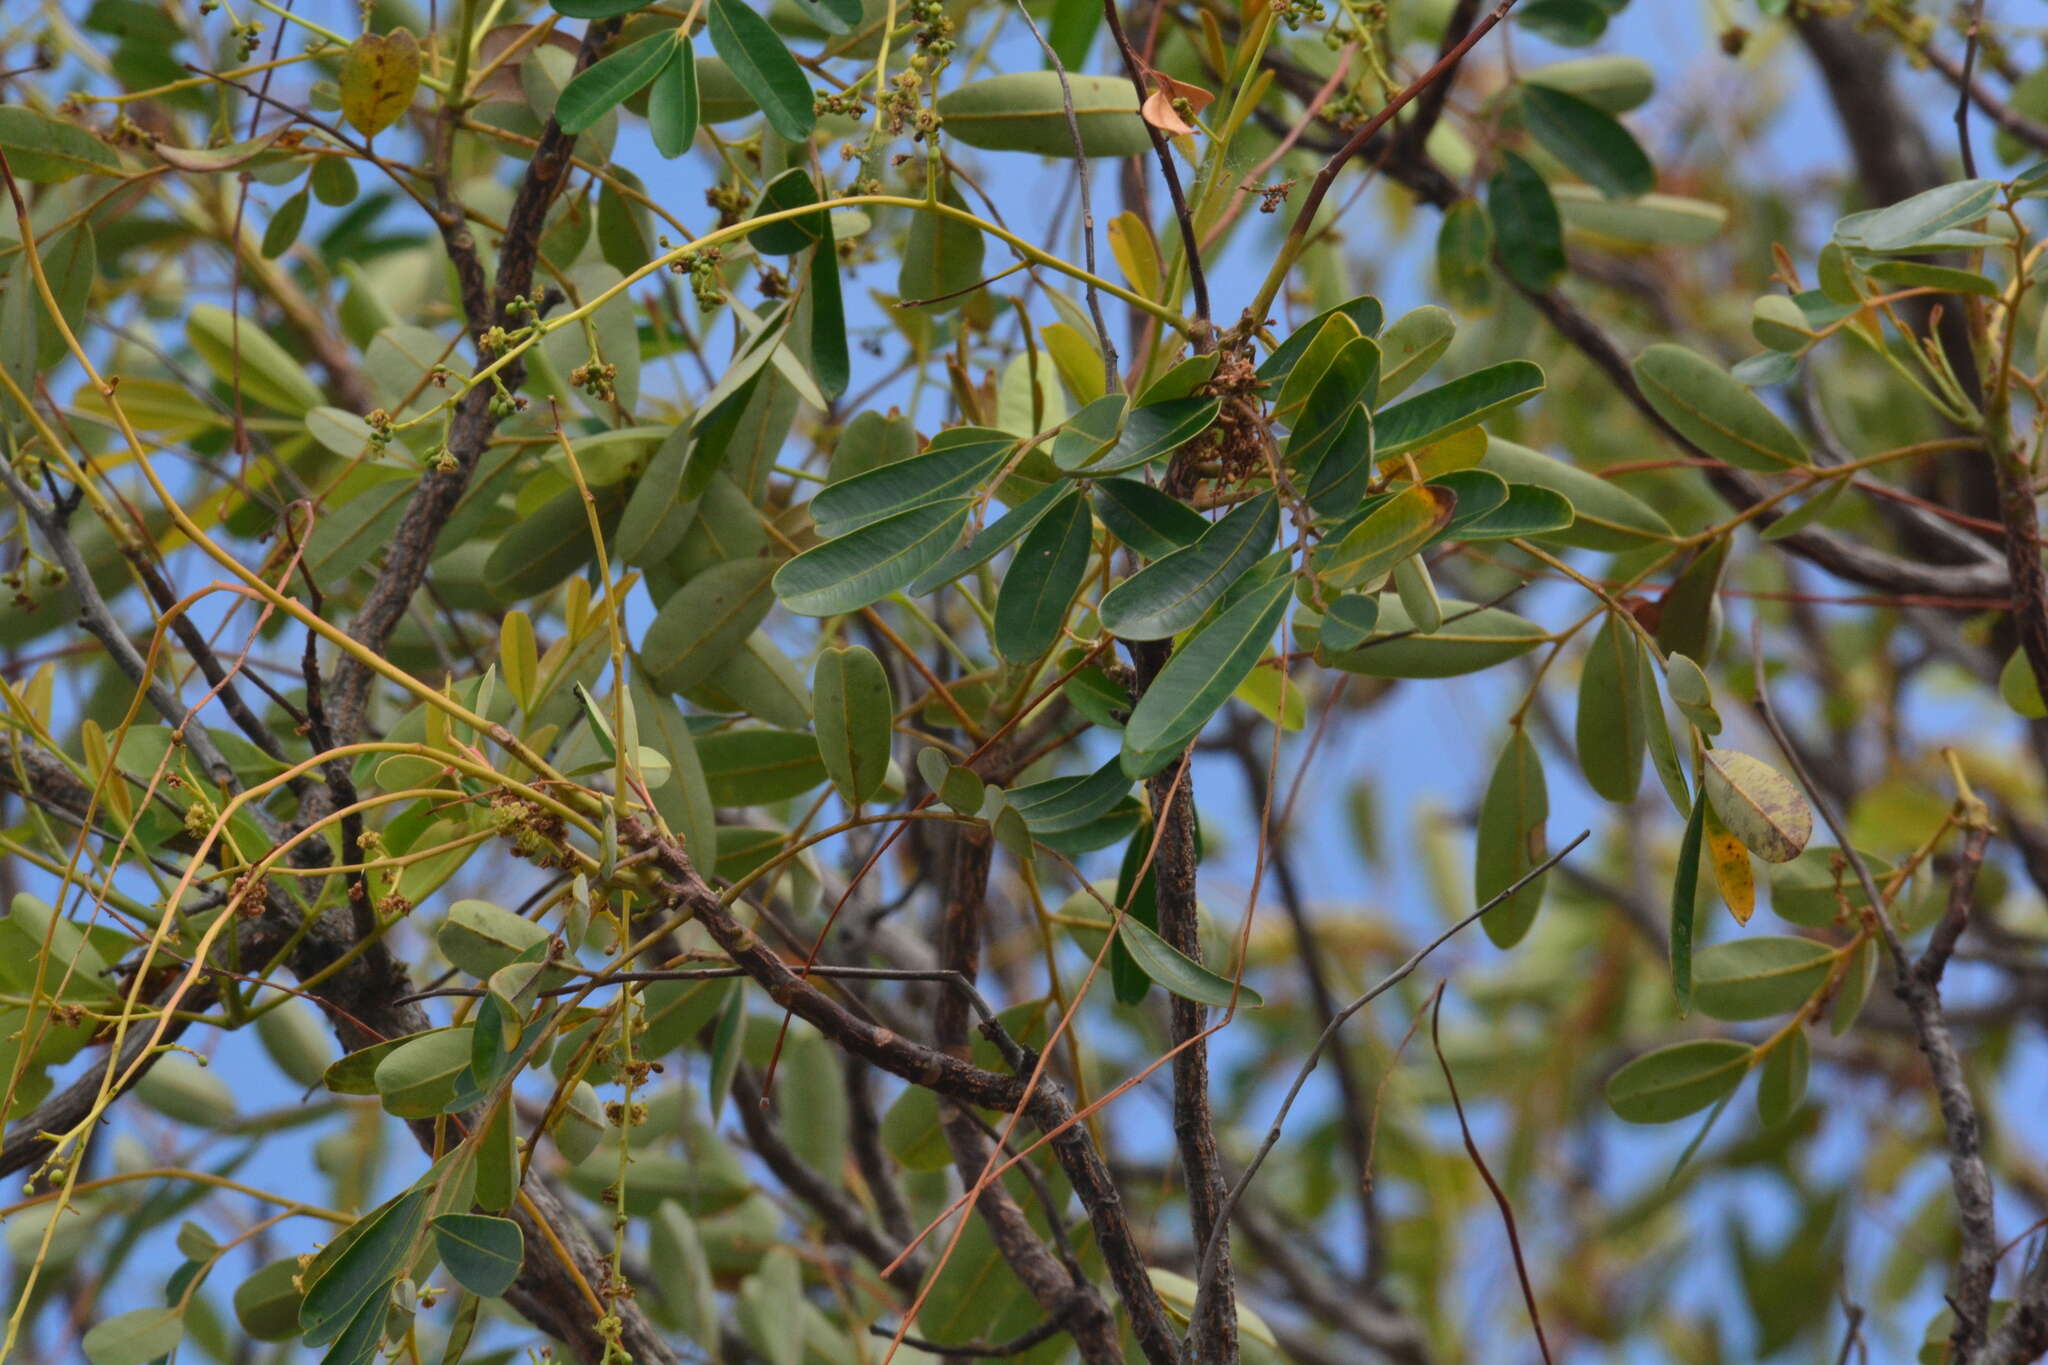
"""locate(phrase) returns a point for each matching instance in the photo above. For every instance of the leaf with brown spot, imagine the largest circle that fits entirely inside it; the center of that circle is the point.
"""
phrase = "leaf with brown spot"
(1757, 803)
(378, 78)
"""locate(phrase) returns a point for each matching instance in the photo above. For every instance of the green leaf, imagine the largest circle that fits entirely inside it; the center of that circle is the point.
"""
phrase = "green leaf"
(135, 1337)
(672, 102)
(1364, 312)
(1856, 984)
(1171, 594)
(992, 539)
(1059, 805)
(763, 68)
(1411, 345)
(1348, 384)
(1759, 976)
(1568, 23)
(1652, 220)
(1091, 433)
(856, 717)
(793, 189)
(482, 938)
(769, 1308)
(1464, 256)
(1042, 581)
(1072, 31)
(1593, 144)
(596, 9)
(1177, 972)
(1921, 275)
(43, 150)
(249, 356)
(1605, 516)
(1200, 677)
(942, 260)
(604, 85)
(1349, 621)
(1932, 218)
(1611, 82)
(1526, 228)
(684, 1275)
(1814, 887)
(1526, 511)
(1758, 803)
(1151, 522)
(1512, 840)
(1611, 732)
(2019, 687)
(753, 767)
(861, 568)
(1155, 432)
(1781, 1083)
(1715, 411)
(831, 364)
(283, 228)
(1471, 638)
(267, 1303)
(1685, 891)
(1025, 111)
(357, 1268)
(957, 462)
(482, 1253)
(705, 620)
(1450, 407)
(1391, 532)
(1674, 1081)
(428, 1074)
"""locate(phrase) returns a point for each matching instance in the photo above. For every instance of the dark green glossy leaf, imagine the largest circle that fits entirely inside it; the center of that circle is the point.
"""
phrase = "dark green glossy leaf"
(356, 1268)
(1177, 972)
(956, 463)
(1043, 580)
(1592, 143)
(1685, 891)
(864, 566)
(1152, 433)
(1147, 520)
(792, 190)
(1170, 594)
(1450, 407)
(763, 68)
(672, 103)
(1201, 675)
(604, 85)
(1526, 229)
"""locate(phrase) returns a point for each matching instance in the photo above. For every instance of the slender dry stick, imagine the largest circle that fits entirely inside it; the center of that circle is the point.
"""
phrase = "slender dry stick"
(1507, 1211)
(1379, 988)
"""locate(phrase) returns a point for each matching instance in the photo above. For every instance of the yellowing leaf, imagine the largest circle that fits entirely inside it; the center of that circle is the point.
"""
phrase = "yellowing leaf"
(1733, 875)
(378, 77)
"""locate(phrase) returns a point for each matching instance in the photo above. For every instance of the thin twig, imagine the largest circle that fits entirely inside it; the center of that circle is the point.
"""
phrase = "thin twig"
(1500, 1197)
